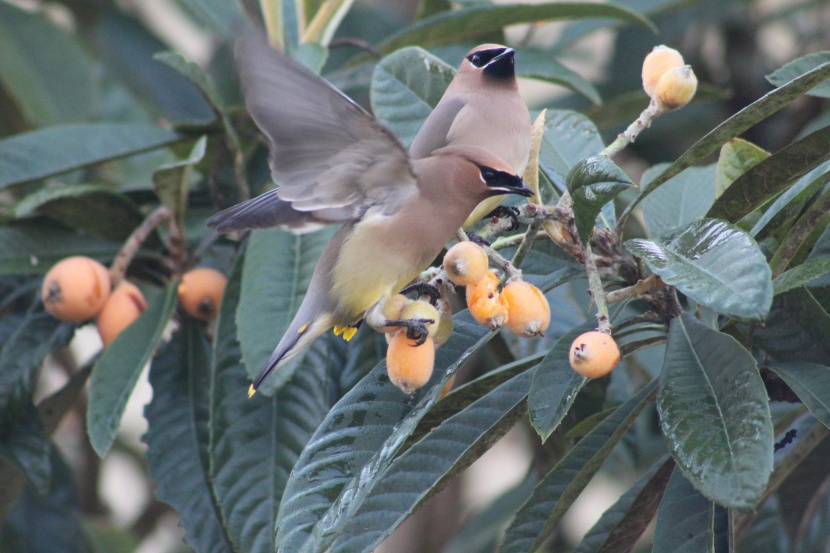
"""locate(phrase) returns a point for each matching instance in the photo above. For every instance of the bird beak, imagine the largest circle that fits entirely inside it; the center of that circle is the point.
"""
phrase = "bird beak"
(501, 65)
(511, 184)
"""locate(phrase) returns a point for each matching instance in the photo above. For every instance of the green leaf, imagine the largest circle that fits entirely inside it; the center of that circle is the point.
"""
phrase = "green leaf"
(811, 222)
(32, 247)
(171, 181)
(593, 182)
(685, 519)
(569, 138)
(714, 263)
(619, 528)
(769, 177)
(736, 125)
(195, 74)
(472, 21)
(423, 469)
(312, 55)
(93, 209)
(811, 382)
(358, 439)
(44, 153)
(540, 65)
(221, 16)
(44, 69)
(255, 442)
(555, 385)
(681, 200)
(560, 487)
(25, 446)
(790, 203)
(714, 414)
(793, 69)
(796, 329)
(736, 157)
(177, 436)
(406, 86)
(117, 370)
(275, 277)
(801, 274)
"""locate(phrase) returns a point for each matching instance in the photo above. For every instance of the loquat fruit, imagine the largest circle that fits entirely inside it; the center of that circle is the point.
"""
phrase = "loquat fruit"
(487, 306)
(528, 309)
(676, 88)
(445, 323)
(465, 263)
(409, 366)
(200, 292)
(594, 354)
(75, 289)
(420, 309)
(657, 62)
(392, 311)
(123, 306)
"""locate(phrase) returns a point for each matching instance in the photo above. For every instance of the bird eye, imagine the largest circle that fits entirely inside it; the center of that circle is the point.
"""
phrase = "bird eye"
(475, 59)
(487, 174)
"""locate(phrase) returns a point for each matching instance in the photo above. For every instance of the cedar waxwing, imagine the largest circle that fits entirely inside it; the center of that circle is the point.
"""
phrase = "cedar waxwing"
(481, 107)
(336, 164)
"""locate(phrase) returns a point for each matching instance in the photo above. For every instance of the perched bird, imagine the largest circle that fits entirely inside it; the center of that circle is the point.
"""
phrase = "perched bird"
(481, 107)
(336, 164)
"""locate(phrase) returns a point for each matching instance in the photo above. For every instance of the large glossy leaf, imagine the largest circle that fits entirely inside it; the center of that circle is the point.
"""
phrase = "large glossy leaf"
(594, 182)
(278, 268)
(767, 532)
(358, 439)
(423, 468)
(736, 158)
(802, 274)
(681, 200)
(560, 487)
(772, 175)
(569, 138)
(34, 246)
(475, 20)
(43, 68)
(117, 370)
(715, 264)
(803, 231)
(715, 414)
(406, 86)
(555, 386)
(195, 74)
(94, 209)
(796, 329)
(255, 442)
(790, 203)
(619, 527)
(24, 447)
(177, 437)
(171, 181)
(791, 70)
(736, 125)
(685, 519)
(811, 382)
(47, 152)
(539, 65)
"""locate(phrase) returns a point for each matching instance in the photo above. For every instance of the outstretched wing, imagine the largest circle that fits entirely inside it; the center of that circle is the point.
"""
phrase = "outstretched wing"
(327, 153)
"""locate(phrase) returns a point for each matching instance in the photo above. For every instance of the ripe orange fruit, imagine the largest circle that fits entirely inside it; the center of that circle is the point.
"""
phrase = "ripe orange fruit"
(392, 310)
(420, 309)
(75, 289)
(487, 306)
(676, 88)
(528, 309)
(594, 354)
(465, 263)
(409, 366)
(200, 292)
(656, 63)
(124, 305)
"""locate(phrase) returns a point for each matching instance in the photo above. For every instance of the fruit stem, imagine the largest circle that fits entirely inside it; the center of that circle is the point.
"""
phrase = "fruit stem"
(635, 291)
(496, 259)
(119, 265)
(630, 134)
(597, 291)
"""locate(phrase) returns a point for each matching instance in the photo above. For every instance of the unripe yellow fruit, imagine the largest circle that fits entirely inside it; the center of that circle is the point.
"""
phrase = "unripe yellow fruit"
(409, 366)
(445, 323)
(420, 309)
(393, 310)
(676, 88)
(487, 306)
(200, 292)
(466, 263)
(528, 309)
(124, 305)
(75, 289)
(657, 62)
(594, 354)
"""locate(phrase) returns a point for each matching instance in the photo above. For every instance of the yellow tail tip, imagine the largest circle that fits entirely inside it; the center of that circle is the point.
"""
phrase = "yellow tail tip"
(338, 330)
(349, 333)
(251, 391)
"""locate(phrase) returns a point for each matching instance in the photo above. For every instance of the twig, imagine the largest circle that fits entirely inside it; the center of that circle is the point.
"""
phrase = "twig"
(597, 291)
(634, 129)
(526, 243)
(119, 265)
(637, 290)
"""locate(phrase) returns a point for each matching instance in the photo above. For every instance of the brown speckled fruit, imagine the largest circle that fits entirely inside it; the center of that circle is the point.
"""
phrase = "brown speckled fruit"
(466, 263)
(75, 289)
(594, 354)
(200, 292)
(487, 306)
(528, 309)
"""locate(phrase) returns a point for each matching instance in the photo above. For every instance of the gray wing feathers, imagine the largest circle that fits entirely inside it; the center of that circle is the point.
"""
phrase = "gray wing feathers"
(434, 133)
(326, 151)
(267, 210)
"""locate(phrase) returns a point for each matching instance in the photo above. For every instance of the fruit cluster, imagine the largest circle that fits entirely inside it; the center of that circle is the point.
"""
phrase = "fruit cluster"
(519, 305)
(667, 80)
(77, 289)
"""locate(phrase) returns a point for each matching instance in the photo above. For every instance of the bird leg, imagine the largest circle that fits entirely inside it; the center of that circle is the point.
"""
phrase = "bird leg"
(423, 289)
(478, 239)
(416, 329)
(507, 212)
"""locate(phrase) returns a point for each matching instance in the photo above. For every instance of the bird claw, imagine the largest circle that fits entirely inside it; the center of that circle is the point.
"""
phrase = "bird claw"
(507, 212)
(476, 239)
(416, 329)
(423, 289)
